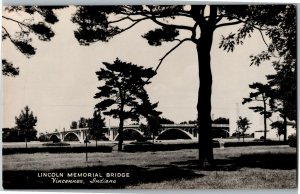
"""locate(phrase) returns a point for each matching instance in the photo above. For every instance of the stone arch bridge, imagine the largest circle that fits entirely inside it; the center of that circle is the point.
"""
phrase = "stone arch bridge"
(182, 131)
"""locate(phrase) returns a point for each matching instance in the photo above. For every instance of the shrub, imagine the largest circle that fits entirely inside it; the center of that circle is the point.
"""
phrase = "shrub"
(292, 140)
(143, 147)
(56, 144)
(43, 138)
(56, 149)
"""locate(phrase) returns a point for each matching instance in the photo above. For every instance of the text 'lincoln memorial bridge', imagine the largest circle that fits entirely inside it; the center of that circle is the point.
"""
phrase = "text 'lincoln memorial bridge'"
(133, 132)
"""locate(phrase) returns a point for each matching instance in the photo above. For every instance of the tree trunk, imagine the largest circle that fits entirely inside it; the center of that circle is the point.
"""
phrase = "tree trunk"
(120, 131)
(26, 134)
(265, 119)
(285, 128)
(153, 137)
(204, 97)
(86, 150)
(121, 124)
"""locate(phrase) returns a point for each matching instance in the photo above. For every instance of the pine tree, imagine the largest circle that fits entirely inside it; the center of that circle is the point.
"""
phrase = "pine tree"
(123, 91)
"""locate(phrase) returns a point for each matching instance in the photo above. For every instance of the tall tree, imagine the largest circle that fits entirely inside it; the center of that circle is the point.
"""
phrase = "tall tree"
(262, 94)
(23, 18)
(284, 93)
(26, 122)
(122, 91)
(103, 23)
(96, 125)
(284, 81)
(243, 124)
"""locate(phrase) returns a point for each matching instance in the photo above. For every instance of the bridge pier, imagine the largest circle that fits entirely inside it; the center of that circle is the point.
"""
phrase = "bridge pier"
(110, 134)
(61, 136)
(81, 136)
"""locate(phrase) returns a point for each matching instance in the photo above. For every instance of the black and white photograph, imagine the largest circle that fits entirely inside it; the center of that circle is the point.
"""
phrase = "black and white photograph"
(186, 96)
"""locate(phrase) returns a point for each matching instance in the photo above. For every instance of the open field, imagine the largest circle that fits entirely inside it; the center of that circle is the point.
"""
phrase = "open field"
(237, 167)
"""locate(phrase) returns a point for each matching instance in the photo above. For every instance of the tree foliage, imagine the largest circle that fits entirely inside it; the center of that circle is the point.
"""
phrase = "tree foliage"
(279, 125)
(26, 122)
(8, 69)
(221, 120)
(284, 91)
(16, 135)
(96, 125)
(152, 128)
(243, 124)
(73, 125)
(24, 18)
(83, 122)
(163, 120)
(189, 122)
(263, 95)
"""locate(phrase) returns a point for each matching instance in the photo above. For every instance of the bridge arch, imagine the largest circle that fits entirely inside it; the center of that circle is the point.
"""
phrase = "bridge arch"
(174, 133)
(130, 134)
(54, 137)
(71, 136)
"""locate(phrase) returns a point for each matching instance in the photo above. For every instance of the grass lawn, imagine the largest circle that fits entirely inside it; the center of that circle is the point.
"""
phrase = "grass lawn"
(237, 167)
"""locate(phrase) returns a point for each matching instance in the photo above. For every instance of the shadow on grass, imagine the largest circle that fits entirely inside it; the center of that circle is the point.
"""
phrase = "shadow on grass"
(151, 174)
(285, 161)
(182, 170)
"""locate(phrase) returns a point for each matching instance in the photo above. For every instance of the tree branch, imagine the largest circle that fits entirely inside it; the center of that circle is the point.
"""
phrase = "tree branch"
(124, 29)
(256, 99)
(171, 25)
(119, 20)
(170, 51)
(228, 24)
(8, 34)
(242, 21)
(124, 18)
(193, 37)
(18, 22)
(263, 38)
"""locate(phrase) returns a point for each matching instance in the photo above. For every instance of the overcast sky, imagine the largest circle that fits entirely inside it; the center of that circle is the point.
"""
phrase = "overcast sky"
(59, 82)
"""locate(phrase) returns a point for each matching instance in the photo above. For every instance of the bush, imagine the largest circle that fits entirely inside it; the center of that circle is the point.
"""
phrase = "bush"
(254, 143)
(143, 147)
(43, 138)
(56, 144)
(292, 140)
(56, 149)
